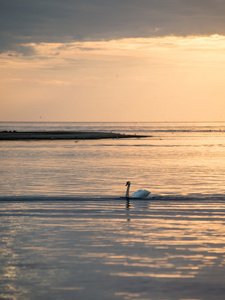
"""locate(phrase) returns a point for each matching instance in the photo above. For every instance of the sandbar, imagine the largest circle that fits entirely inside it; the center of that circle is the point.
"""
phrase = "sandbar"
(63, 135)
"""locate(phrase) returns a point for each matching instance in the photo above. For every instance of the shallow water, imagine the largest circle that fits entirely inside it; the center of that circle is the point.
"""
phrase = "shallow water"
(178, 159)
(66, 233)
(112, 250)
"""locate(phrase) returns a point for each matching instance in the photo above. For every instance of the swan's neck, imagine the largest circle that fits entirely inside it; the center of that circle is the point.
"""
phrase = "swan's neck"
(127, 192)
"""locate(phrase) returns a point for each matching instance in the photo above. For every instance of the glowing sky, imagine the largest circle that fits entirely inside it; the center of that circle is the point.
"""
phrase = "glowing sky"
(112, 60)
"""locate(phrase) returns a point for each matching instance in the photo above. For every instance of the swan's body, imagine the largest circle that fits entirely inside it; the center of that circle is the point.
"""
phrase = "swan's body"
(137, 194)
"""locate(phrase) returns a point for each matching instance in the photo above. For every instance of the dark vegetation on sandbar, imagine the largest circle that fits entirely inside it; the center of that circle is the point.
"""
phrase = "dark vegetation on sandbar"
(63, 135)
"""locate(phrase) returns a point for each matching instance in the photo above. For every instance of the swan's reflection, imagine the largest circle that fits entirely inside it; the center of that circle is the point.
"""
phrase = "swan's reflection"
(128, 204)
(128, 209)
(138, 206)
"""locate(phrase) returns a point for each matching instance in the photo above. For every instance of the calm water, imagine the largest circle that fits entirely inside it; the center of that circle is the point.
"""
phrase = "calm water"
(178, 159)
(68, 235)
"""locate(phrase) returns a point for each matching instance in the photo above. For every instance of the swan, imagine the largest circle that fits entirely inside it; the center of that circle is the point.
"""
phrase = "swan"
(137, 194)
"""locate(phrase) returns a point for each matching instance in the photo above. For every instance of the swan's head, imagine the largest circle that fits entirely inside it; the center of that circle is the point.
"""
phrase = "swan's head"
(128, 183)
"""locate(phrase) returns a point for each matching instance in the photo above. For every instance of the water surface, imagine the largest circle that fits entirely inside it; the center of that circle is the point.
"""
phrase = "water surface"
(178, 159)
(67, 234)
(113, 250)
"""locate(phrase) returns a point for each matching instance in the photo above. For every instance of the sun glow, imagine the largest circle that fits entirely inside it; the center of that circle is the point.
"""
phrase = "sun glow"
(136, 79)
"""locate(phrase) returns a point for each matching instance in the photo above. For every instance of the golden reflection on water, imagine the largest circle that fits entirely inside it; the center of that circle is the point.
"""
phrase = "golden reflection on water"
(60, 247)
(142, 274)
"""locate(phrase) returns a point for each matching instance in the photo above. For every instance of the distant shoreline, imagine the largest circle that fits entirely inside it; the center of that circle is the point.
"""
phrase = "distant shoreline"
(63, 135)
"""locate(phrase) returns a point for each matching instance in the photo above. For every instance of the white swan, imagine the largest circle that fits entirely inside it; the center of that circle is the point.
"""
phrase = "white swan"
(138, 194)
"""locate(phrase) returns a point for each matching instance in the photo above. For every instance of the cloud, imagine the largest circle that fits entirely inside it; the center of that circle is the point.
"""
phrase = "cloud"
(60, 21)
(129, 79)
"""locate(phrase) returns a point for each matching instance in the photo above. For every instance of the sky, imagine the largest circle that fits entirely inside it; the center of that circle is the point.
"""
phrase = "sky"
(120, 60)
